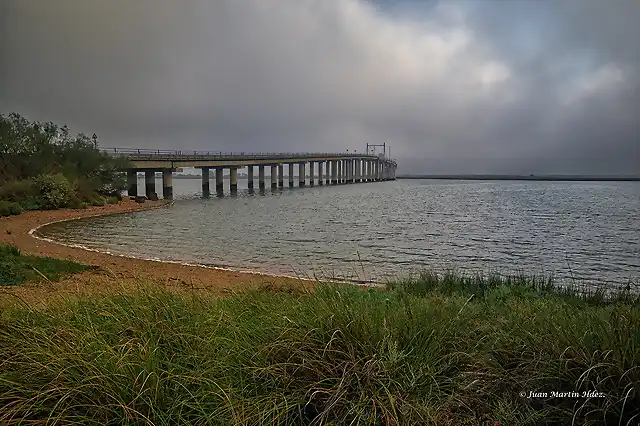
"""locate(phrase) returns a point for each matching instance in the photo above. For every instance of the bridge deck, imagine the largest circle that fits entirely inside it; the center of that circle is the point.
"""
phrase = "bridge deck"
(182, 156)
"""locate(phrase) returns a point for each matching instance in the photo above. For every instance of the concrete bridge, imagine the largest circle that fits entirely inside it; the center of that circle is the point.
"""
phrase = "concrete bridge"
(332, 168)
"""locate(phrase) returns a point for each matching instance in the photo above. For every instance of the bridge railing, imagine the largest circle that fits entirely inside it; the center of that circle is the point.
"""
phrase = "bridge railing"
(159, 154)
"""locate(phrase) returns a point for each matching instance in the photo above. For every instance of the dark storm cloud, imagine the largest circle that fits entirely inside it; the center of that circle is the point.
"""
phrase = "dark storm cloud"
(517, 86)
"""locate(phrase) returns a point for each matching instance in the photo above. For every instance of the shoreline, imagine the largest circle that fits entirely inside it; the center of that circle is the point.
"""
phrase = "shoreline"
(116, 271)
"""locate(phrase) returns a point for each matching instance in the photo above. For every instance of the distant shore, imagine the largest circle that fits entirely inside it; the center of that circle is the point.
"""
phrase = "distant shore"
(556, 178)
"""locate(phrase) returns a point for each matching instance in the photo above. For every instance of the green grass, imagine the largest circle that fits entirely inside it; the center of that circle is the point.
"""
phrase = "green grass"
(431, 351)
(16, 268)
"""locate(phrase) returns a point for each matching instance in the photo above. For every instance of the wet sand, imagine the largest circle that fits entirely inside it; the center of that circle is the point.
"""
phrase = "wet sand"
(116, 273)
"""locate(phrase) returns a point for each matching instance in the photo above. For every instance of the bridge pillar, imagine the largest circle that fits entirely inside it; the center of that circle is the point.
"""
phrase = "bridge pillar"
(334, 172)
(281, 175)
(358, 164)
(302, 175)
(328, 172)
(132, 183)
(290, 175)
(340, 168)
(320, 165)
(167, 184)
(219, 180)
(261, 177)
(233, 177)
(205, 181)
(149, 182)
(250, 177)
(350, 171)
(353, 171)
(274, 176)
(311, 173)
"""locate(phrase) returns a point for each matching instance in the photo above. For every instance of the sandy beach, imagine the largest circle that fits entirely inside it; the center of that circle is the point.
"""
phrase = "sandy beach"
(115, 273)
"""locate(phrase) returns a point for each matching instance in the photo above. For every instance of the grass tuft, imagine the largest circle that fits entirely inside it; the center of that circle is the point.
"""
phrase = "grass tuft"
(17, 268)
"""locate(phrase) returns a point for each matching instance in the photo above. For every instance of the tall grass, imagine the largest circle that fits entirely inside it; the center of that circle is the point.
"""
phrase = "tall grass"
(422, 352)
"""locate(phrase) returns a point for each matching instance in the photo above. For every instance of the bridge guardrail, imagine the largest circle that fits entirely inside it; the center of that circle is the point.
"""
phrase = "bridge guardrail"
(159, 154)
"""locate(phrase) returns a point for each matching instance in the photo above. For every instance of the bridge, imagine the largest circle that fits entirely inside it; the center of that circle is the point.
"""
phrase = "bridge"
(332, 168)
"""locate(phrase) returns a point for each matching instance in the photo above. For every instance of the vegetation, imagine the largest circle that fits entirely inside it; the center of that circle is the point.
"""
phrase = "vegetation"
(432, 350)
(42, 166)
(16, 268)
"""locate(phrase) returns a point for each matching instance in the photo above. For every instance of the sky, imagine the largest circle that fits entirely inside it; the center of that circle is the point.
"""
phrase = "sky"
(476, 86)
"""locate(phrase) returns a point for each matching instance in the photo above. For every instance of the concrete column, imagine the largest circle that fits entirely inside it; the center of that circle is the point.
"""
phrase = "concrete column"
(350, 169)
(328, 169)
(358, 168)
(302, 175)
(334, 172)
(149, 183)
(132, 183)
(205, 182)
(290, 175)
(367, 172)
(250, 177)
(167, 184)
(311, 173)
(274, 176)
(233, 175)
(320, 165)
(219, 180)
(280, 175)
(379, 169)
(261, 177)
(340, 168)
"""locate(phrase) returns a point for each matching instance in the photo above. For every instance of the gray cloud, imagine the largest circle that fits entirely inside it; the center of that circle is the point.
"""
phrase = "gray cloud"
(518, 86)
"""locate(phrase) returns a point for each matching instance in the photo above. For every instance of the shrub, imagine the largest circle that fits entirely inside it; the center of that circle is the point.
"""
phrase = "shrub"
(97, 201)
(15, 209)
(112, 200)
(56, 191)
(31, 203)
(5, 209)
(18, 190)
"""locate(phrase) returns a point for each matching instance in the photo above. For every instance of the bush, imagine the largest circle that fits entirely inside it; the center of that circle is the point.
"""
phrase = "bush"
(112, 200)
(56, 191)
(5, 209)
(18, 191)
(15, 209)
(97, 201)
(31, 203)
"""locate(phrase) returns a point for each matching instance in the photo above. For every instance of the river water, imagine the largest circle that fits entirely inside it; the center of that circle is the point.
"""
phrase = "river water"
(586, 232)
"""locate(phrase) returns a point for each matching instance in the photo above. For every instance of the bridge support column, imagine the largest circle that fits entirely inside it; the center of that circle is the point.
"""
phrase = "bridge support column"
(233, 177)
(340, 168)
(280, 175)
(274, 176)
(311, 173)
(290, 175)
(328, 170)
(358, 164)
(149, 183)
(334, 172)
(353, 171)
(219, 180)
(350, 171)
(205, 181)
(302, 175)
(320, 165)
(261, 177)
(132, 183)
(250, 177)
(167, 184)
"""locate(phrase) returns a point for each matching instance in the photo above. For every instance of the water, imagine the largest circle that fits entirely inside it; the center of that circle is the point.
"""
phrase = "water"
(375, 231)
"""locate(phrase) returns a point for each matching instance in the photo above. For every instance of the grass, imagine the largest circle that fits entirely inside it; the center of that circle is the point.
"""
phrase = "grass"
(434, 350)
(17, 268)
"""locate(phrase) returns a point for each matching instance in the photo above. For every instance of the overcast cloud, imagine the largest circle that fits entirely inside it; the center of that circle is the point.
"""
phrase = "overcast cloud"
(468, 87)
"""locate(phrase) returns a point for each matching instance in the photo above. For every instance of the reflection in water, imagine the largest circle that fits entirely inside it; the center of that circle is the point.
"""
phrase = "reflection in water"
(373, 231)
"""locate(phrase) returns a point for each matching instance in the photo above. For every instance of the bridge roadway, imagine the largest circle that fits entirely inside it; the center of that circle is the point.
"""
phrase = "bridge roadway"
(339, 168)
